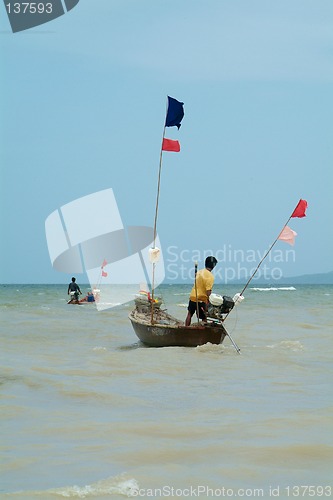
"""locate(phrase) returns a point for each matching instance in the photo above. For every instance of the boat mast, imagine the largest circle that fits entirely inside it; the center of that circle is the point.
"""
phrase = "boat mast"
(155, 227)
(174, 115)
(158, 189)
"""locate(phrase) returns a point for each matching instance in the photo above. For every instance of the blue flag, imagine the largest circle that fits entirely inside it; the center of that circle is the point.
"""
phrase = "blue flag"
(175, 113)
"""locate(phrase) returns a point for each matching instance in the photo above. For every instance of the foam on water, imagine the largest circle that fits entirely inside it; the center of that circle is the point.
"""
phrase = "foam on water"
(293, 345)
(210, 348)
(274, 289)
(112, 486)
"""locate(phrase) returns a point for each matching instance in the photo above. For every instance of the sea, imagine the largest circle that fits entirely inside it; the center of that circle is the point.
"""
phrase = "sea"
(87, 411)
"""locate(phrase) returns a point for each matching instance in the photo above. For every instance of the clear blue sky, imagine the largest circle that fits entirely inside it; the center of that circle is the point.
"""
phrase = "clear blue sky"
(83, 106)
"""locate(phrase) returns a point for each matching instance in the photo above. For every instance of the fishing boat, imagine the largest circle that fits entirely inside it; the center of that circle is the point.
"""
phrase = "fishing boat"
(163, 330)
(153, 325)
(91, 298)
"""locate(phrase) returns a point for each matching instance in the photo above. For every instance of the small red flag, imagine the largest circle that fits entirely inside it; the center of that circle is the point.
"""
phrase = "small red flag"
(170, 145)
(104, 264)
(104, 274)
(300, 209)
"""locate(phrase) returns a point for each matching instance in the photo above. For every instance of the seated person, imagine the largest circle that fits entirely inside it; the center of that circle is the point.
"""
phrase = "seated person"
(88, 298)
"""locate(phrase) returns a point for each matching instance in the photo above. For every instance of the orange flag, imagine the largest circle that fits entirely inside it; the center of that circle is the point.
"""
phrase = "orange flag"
(288, 235)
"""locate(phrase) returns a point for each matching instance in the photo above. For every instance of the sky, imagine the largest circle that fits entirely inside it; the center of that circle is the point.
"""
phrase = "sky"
(83, 103)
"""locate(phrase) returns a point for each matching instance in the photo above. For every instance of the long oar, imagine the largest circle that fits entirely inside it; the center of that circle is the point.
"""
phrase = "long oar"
(231, 339)
(233, 342)
(299, 212)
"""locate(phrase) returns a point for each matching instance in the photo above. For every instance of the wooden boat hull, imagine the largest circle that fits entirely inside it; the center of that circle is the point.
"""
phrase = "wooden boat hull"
(167, 335)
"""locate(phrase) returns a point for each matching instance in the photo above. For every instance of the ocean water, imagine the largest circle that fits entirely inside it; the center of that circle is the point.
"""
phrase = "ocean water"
(89, 412)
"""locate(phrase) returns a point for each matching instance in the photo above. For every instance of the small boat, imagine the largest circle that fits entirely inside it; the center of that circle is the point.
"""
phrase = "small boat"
(167, 331)
(90, 298)
(153, 326)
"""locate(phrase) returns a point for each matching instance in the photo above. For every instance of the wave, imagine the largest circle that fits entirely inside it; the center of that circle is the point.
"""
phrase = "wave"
(273, 289)
(209, 347)
(112, 486)
(293, 345)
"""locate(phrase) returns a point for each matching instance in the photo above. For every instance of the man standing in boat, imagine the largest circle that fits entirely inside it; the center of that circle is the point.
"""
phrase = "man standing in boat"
(201, 291)
(74, 287)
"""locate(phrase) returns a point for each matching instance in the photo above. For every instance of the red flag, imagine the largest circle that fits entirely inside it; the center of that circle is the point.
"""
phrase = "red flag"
(104, 274)
(170, 145)
(104, 264)
(300, 209)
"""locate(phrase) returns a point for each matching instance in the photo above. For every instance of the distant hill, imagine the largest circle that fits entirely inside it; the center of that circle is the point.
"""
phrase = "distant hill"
(310, 279)
(305, 279)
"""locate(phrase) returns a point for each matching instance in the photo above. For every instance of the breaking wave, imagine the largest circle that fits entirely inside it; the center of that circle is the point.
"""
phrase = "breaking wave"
(273, 289)
(118, 485)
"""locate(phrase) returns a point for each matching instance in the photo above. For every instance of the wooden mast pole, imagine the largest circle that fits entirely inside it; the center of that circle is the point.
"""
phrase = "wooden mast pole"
(177, 118)
(155, 223)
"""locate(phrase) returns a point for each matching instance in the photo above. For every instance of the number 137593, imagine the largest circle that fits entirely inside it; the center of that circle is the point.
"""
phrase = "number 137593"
(29, 8)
